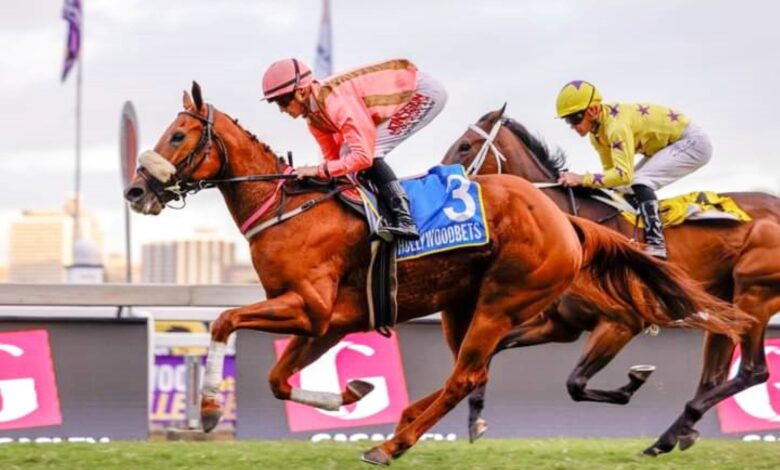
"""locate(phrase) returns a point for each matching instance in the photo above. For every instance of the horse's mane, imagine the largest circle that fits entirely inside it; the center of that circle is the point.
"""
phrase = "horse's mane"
(251, 136)
(555, 162)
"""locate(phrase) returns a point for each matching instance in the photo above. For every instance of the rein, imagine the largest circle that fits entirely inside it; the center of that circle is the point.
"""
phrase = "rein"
(490, 144)
(181, 188)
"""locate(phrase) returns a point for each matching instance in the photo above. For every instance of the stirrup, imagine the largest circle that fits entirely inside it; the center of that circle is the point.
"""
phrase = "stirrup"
(404, 231)
(657, 251)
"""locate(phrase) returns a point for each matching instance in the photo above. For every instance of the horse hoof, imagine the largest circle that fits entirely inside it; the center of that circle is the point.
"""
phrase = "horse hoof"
(359, 388)
(687, 441)
(210, 413)
(657, 449)
(477, 430)
(210, 419)
(641, 372)
(376, 456)
(651, 452)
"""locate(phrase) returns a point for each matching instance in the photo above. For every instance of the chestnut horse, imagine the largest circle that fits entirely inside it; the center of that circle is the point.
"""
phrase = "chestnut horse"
(313, 267)
(737, 262)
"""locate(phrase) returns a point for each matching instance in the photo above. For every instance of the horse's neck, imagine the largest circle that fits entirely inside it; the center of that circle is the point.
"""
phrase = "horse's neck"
(246, 156)
(521, 163)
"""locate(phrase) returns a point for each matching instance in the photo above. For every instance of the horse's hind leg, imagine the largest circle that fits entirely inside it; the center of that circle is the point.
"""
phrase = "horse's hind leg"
(608, 339)
(753, 370)
(543, 328)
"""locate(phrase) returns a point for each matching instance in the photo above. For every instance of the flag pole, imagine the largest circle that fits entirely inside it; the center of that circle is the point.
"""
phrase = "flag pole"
(77, 183)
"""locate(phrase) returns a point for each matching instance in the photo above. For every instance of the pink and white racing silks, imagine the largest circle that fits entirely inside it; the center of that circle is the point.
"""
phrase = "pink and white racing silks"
(363, 114)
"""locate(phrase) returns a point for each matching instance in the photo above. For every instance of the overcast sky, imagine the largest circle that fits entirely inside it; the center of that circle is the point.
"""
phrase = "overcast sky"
(716, 61)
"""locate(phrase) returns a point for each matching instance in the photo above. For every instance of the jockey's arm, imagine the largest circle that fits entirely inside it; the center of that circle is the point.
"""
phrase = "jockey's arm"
(359, 134)
(328, 145)
(617, 158)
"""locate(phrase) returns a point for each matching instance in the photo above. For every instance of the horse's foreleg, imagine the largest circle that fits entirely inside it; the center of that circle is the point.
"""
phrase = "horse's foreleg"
(453, 325)
(541, 329)
(606, 341)
(283, 314)
(470, 372)
(298, 354)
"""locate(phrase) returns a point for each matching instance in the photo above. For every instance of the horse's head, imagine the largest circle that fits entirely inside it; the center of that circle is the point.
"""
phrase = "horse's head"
(477, 148)
(498, 144)
(189, 151)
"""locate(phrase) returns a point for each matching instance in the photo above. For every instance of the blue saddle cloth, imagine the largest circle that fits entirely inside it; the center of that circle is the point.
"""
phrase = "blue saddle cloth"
(449, 212)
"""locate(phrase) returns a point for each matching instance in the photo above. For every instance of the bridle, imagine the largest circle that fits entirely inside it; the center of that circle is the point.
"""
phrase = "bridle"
(180, 186)
(488, 144)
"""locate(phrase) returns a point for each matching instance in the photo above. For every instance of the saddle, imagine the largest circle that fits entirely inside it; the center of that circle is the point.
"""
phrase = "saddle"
(447, 208)
(696, 205)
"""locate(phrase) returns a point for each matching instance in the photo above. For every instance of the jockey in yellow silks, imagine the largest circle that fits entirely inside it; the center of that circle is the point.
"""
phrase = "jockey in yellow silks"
(672, 146)
(357, 118)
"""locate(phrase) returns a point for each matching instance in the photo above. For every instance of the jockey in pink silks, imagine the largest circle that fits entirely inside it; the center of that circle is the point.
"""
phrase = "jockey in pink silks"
(357, 118)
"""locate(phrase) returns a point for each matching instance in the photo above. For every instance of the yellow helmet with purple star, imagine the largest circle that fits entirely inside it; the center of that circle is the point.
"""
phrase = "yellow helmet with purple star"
(576, 96)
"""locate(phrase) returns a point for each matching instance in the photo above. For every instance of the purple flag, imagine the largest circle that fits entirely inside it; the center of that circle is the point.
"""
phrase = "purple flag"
(72, 14)
(323, 64)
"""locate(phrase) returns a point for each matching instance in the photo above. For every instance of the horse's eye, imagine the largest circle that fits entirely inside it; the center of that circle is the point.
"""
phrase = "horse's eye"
(464, 147)
(177, 137)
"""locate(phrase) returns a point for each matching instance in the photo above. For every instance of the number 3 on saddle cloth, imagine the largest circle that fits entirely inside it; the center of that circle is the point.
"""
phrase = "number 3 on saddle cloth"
(449, 212)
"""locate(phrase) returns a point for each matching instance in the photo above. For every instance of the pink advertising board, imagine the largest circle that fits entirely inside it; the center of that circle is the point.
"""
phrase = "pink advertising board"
(28, 389)
(365, 356)
(757, 408)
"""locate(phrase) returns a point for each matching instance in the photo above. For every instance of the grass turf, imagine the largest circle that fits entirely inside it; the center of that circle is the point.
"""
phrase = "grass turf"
(486, 454)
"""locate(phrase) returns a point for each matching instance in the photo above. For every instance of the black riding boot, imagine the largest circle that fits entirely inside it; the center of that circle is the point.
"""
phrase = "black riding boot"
(394, 197)
(403, 225)
(648, 208)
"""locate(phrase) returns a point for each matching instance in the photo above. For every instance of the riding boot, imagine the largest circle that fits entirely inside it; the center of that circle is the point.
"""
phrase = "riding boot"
(648, 208)
(395, 197)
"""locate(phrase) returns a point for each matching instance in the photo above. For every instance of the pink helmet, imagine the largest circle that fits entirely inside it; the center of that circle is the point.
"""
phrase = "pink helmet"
(285, 76)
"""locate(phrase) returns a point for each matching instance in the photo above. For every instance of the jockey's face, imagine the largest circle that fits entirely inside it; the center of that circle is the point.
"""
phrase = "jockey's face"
(589, 120)
(298, 105)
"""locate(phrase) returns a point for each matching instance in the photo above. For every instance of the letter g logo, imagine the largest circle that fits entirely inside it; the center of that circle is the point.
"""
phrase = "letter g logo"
(323, 375)
(17, 396)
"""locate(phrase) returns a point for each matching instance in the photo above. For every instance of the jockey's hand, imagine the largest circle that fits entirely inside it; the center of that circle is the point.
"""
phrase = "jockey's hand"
(570, 180)
(306, 172)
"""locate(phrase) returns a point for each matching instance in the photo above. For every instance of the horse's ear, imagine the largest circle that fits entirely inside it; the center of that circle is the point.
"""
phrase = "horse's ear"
(501, 111)
(186, 101)
(196, 95)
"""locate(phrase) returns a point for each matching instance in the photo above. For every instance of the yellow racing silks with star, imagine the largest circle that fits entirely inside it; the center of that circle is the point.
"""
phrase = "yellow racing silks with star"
(627, 129)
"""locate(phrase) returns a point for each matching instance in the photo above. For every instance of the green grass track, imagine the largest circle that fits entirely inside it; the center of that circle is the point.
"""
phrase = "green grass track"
(487, 454)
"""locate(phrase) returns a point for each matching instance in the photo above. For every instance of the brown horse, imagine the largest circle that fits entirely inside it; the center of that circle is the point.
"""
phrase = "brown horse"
(738, 262)
(313, 267)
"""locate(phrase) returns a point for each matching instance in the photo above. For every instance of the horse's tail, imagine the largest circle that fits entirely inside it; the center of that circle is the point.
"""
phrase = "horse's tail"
(658, 292)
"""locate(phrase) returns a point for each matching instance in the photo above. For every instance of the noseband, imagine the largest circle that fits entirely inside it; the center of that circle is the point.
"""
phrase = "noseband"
(179, 186)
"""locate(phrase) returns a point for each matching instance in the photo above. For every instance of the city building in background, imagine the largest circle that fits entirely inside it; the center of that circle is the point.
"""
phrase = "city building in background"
(202, 258)
(87, 266)
(41, 243)
(116, 268)
(240, 273)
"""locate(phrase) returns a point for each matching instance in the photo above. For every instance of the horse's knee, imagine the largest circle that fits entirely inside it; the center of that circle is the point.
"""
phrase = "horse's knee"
(222, 327)
(459, 387)
(319, 327)
(279, 387)
(755, 376)
(576, 387)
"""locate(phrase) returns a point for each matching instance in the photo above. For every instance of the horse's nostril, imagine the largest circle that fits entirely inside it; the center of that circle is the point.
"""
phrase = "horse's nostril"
(133, 194)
